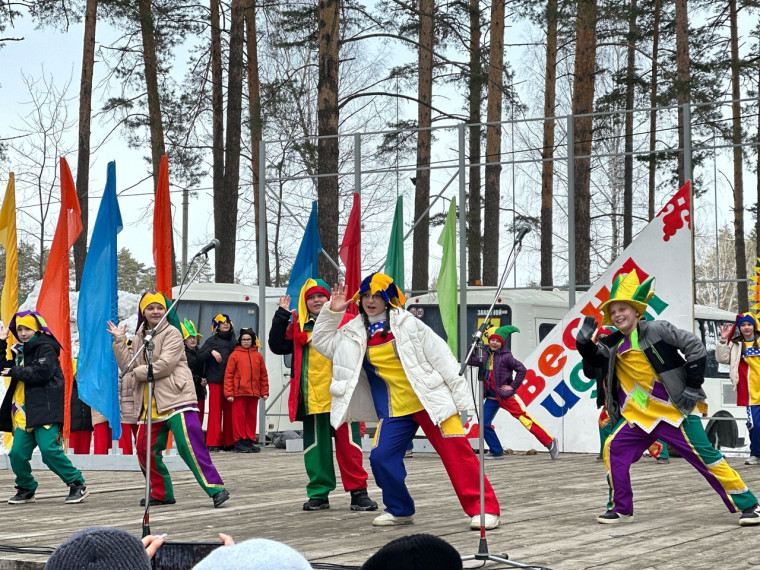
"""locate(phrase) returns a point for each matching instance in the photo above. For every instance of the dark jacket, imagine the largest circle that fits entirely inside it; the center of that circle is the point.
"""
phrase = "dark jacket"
(198, 370)
(508, 372)
(43, 383)
(224, 346)
(81, 415)
(663, 345)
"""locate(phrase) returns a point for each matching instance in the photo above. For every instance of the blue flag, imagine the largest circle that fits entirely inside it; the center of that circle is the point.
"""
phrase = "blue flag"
(97, 372)
(305, 265)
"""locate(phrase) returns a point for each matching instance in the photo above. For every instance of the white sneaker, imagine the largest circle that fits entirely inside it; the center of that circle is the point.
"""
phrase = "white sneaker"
(553, 448)
(752, 460)
(387, 519)
(490, 522)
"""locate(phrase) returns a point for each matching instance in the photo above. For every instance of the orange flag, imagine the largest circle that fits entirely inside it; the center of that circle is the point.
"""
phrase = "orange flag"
(53, 303)
(162, 231)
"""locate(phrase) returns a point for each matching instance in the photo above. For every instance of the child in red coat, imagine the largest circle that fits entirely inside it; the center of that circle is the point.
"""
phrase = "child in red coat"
(245, 381)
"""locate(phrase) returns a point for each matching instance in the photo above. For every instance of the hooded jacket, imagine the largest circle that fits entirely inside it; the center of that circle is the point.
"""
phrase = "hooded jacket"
(173, 381)
(246, 374)
(505, 365)
(43, 383)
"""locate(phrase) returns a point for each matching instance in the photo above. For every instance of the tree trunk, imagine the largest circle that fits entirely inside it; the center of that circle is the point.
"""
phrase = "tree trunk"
(583, 104)
(228, 197)
(683, 95)
(547, 167)
(150, 60)
(328, 16)
(736, 139)
(629, 92)
(85, 110)
(492, 221)
(421, 246)
(217, 118)
(474, 233)
(757, 177)
(256, 126)
(653, 113)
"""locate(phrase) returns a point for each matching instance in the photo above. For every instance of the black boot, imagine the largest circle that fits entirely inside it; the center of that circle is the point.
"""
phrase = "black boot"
(360, 501)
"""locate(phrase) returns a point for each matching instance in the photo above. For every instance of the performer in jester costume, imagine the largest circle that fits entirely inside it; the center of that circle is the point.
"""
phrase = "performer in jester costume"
(654, 376)
(739, 347)
(389, 365)
(309, 401)
(503, 375)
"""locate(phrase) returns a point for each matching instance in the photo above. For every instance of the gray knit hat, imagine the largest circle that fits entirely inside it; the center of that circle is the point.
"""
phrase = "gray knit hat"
(100, 548)
(254, 554)
(415, 552)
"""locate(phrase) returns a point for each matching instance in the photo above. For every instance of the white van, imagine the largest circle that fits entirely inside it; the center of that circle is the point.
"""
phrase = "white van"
(203, 301)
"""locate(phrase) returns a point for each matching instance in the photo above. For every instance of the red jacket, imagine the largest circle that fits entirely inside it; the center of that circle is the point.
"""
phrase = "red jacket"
(246, 374)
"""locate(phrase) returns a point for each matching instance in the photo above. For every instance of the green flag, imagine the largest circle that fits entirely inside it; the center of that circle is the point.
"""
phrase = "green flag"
(447, 277)
(394, 261)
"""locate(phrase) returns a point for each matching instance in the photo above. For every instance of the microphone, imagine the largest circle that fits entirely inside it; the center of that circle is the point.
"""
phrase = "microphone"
(521, 231)
(214, 243)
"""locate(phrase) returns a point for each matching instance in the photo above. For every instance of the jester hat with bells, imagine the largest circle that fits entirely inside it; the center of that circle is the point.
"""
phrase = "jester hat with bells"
(188, 329)
(744, 318)
(31, 320)
(628, 289)
(311, 287)
(383, 284)
(502, 333)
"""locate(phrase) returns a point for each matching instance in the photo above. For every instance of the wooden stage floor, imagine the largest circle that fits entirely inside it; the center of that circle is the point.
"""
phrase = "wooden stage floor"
(548, 513)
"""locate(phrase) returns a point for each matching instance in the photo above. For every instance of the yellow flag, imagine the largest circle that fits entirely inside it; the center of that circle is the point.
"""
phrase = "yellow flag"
(9, 300)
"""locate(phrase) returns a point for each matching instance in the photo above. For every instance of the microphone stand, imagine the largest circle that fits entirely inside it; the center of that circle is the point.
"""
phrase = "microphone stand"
(148, 347)
(482, 553)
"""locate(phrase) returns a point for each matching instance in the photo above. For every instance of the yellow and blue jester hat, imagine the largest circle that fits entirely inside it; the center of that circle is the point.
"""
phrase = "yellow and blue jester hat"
(219, 319)
(628, 289)
(383, 284)
(188, 329)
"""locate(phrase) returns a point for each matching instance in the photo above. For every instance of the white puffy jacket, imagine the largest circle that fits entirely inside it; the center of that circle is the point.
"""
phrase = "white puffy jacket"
(430, 367)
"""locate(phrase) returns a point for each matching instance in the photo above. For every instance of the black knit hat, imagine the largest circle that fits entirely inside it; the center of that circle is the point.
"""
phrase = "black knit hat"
(100, 548)
(415, 552)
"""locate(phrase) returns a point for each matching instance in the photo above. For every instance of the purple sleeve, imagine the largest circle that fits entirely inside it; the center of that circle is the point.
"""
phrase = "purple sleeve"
(519, 370)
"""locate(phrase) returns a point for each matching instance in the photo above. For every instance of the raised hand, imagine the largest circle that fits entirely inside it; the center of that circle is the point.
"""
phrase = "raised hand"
(725, 330)
(3, 332)
(284, 302)
(116, 331)
(338, 300)
(586, 333)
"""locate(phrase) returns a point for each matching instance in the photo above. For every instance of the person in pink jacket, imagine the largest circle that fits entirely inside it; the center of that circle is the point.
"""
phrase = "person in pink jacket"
(245, 381)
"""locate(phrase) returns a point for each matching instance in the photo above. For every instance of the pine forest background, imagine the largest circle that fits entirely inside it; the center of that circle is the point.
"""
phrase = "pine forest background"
(330, 85)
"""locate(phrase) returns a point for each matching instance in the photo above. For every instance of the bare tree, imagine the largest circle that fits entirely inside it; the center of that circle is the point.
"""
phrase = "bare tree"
(547, 166)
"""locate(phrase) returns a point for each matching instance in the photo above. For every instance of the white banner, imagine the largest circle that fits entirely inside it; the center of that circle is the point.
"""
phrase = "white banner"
(555, 392)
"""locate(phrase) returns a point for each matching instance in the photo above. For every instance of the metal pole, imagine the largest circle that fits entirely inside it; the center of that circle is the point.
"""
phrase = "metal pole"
(262, 263)
(358, 164)
(571, 211)
(462, 244)
(185, 209)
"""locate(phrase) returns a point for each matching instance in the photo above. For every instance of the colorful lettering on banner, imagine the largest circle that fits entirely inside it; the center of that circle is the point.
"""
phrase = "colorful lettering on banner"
(555, 378)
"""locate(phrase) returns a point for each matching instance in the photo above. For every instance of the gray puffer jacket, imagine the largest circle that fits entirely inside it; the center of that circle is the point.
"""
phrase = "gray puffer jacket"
(677, 356)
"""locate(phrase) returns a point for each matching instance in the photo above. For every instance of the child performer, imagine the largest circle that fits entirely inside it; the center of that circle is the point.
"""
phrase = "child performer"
(652, 392)
(503, 376)
(388, 364)
(245, 381)
(309, 401)
(173, 408)
(33, 407)
(192, 337)
(739, 347)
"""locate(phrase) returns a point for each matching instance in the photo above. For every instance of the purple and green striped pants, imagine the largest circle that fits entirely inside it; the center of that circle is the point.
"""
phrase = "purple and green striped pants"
(188, 435)
(627, 444)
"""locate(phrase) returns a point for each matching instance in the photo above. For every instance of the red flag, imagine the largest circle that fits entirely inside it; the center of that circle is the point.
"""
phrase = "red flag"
(350, 252)
(162, 231)
(53, 302)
